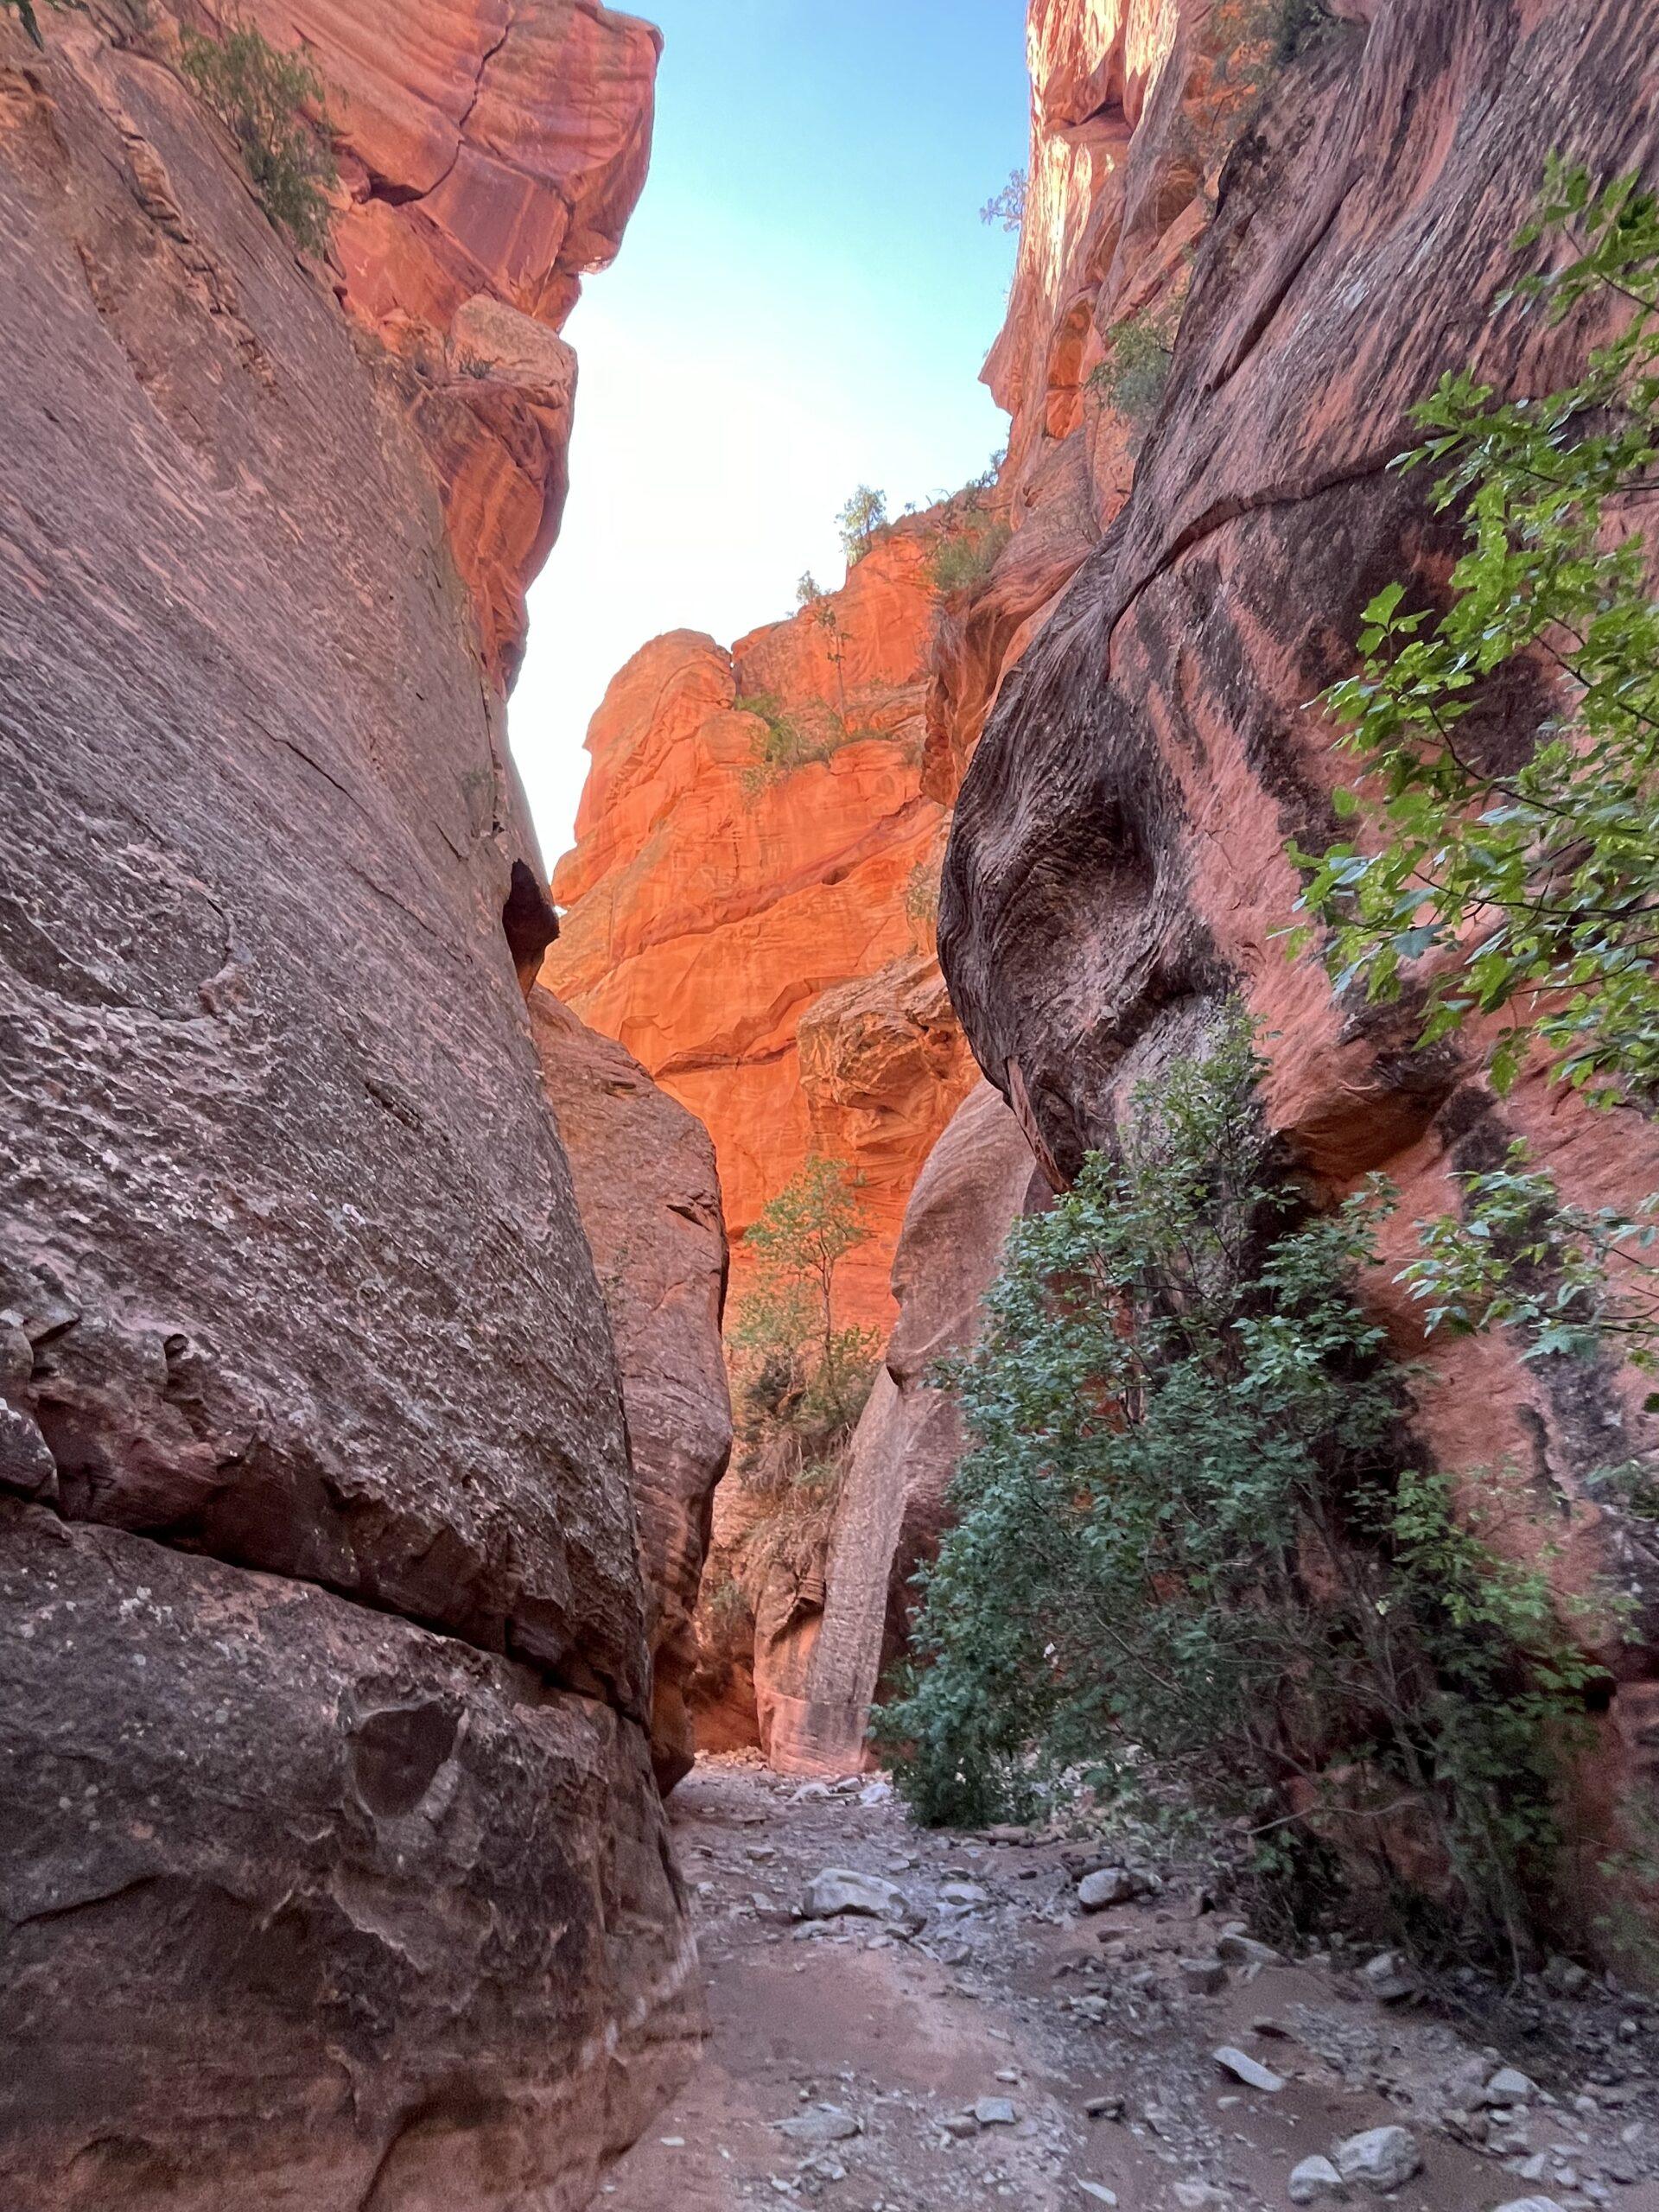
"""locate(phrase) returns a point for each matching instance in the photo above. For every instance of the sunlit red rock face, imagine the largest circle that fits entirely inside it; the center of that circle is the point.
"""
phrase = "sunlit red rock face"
(491, 152)
(332, 1870)
(1134, 105)
(1117, 861)
(762, 942)
(649, 1198)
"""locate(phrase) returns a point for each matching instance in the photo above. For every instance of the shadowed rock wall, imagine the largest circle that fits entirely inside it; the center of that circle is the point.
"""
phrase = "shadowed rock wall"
(333, 1870)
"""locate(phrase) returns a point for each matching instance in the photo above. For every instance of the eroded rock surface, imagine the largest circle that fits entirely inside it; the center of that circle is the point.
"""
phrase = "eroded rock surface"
(1117, 861)
(648, 1197)
(292, 1279)
(307, 1906)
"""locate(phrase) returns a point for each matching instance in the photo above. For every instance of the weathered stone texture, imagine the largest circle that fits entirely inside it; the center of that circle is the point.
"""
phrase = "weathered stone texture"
(291, 1276)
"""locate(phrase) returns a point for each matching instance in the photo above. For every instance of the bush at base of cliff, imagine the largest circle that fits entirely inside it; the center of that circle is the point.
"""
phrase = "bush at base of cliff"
(261, 97)
(1191, 1557)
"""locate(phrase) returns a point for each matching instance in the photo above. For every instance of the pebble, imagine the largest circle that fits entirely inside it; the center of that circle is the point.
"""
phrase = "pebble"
(1508, 2086)
(1530, 2204)
(1203, 1977)
(1388, 1978)
(1099, 2191)
(995, 2112)
(1234, 1944)
(823, 2124)
(1379, 2159)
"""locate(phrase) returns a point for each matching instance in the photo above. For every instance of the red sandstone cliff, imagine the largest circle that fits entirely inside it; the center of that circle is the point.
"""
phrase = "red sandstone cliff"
(1116, 864)
(332, 1869)
(491, 152)
(760, 938)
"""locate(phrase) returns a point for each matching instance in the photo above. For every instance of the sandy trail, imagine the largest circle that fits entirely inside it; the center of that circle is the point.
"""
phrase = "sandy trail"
(1015, 1995)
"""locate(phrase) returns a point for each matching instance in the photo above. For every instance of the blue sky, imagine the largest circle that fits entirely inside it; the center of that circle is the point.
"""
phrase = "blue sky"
(801, 303)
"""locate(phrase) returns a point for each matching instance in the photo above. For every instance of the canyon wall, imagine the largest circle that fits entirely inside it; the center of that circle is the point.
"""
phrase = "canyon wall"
(1116, 865)
(490, 155)
(758, 932)
(648, 1194)
(333, 1872)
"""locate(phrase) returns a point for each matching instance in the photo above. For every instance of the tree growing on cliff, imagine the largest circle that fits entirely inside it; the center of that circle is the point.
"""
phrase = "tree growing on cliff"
(1189, 1549)
(861, 522)
(265, 100)
(1509, 743)
(1007, 207)
(807, 1364)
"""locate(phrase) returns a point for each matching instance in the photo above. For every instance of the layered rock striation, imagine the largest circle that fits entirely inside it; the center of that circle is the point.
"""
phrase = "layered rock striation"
(1118, 863)
(333, 1870)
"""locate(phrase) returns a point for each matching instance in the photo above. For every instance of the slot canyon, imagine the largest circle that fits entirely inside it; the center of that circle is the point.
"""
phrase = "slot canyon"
(438, 1651)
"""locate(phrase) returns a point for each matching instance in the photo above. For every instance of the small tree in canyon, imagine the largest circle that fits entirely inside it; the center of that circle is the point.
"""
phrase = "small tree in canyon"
(861, 522)
(1193, 1564)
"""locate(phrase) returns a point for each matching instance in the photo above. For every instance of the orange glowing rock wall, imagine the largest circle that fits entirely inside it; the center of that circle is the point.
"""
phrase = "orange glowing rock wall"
(760, 938)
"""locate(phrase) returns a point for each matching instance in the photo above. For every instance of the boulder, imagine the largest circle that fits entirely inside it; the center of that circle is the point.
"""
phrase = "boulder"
(1314, 2180)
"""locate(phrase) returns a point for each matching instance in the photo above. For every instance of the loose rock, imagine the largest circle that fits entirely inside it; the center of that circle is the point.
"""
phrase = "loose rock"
(1312, 2179)
(839, 1889)
(1250, 2071)
(1379, 2159)
(1108, 1886)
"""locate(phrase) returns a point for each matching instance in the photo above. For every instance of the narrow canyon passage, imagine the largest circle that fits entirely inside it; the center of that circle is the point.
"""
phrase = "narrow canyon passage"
(983, 2039)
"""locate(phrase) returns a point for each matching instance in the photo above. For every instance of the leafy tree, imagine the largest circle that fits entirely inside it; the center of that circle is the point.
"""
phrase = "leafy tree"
(861, 521)
(798, 1241)
(261, 96)
(1008, 207)
(1521, 882)
(809, 591)
(1188, 1551)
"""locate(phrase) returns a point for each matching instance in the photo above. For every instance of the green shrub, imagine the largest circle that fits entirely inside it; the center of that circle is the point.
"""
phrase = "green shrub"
(260, 95)
(1190, 1552)
(791, 739)
(966, 554)
(1131, 378)
(922, 894)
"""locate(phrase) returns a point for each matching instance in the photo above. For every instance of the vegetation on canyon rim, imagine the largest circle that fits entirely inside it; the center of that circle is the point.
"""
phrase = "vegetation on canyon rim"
(1192, 1554)
(262, 97)
(802, 1377)
(1193, 1548)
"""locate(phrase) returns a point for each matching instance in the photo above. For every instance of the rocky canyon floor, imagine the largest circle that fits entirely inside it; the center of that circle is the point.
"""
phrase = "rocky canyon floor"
(992, 2042)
